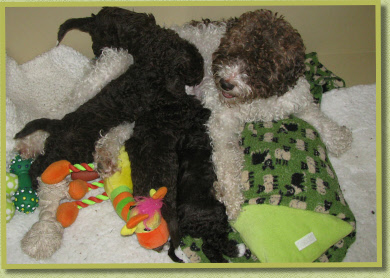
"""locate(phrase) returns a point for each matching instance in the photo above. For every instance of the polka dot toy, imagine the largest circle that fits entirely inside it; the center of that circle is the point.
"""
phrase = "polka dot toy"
(9, 210)
(25, 198)
(12, 183)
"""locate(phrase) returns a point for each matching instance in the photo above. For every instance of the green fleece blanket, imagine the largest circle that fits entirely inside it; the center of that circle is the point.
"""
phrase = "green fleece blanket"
(294, 209)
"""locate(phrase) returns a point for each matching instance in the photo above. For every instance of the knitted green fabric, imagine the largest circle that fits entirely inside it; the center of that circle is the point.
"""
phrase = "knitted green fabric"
(286, 164)
(320, 78)
(287, 167)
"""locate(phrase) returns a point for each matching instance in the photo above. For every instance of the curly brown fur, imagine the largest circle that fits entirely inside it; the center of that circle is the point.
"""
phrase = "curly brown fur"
(169, 146)
(261, 55)
(258, 75)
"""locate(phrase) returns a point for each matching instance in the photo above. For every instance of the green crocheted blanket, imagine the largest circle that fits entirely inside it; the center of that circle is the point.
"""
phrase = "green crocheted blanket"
(320, 78)
(294, 209)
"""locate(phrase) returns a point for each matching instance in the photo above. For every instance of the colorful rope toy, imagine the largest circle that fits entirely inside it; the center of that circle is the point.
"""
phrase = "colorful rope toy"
(57, 171)
(67, 212)
(92, 200)
(78, 187)
(141, 214)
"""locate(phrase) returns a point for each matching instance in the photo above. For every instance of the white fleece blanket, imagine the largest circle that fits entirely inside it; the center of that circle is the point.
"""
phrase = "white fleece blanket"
(95, 236)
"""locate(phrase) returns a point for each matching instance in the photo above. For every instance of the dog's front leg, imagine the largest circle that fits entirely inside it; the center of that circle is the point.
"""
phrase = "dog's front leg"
(228, 167)
(108, 146)
(32, 145)
(337, 139)
(154, 163)
(228, 162)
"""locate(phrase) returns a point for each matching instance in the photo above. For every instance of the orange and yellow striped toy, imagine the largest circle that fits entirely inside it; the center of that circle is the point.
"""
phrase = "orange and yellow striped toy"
(141, 214)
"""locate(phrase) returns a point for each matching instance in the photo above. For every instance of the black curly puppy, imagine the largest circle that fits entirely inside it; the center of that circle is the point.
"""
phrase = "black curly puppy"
(164, 64)
(170, 146)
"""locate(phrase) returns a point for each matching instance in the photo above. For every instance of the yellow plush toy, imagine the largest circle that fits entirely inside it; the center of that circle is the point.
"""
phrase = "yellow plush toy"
(141, 214)
(122, 177)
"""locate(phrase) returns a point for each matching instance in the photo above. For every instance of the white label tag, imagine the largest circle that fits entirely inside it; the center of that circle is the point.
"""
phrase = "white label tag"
(305, 241)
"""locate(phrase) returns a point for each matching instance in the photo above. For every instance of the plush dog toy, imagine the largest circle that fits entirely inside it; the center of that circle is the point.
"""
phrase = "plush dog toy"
(144, 219)
(141, 214)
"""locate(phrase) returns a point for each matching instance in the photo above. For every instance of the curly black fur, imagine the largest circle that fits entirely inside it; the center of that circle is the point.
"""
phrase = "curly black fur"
(169, 147)
(148, 43)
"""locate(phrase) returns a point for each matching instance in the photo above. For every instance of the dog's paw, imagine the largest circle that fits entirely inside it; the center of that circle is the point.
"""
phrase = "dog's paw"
(241, 249)
(106, 169)
(181, 255)
(106, 162)
(107, 149)
(32, 145)
(233, 211)
(338, 141)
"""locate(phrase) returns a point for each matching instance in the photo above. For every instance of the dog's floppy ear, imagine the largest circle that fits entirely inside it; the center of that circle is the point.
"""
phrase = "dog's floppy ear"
(83, 24)
(230, 22)
(186, 68)
(37, 124)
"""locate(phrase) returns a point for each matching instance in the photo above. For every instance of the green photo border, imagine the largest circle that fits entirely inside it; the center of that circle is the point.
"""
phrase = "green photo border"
(229, 270)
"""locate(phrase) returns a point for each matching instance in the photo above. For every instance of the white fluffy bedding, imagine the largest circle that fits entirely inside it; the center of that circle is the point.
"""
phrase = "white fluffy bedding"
(95, 236)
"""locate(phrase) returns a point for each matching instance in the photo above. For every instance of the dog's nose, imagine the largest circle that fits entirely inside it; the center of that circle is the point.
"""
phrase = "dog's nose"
(226, 85)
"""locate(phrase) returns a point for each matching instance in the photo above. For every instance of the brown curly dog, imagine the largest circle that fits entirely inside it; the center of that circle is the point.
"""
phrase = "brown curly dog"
(261, 55)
